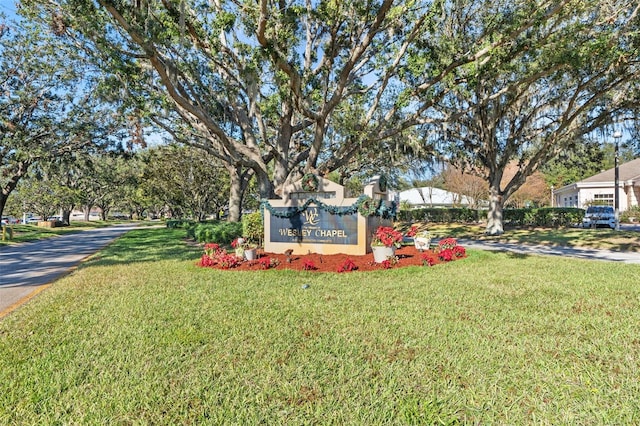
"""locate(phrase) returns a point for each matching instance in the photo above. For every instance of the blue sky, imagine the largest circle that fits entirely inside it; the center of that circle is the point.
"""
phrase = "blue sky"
(8, 7)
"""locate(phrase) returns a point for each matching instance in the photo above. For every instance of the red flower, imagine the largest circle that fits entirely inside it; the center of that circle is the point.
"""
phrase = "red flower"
(412, 232)
(446, 255)
(429, 258)
(386, 236)
(228, 261)
(447, 243)
(268, 262)
(206, 261)
(308, 265)
(347, 266)
(238, 242)
(459, 251)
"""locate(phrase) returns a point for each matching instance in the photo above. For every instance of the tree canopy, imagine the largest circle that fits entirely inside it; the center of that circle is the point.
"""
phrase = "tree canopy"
(47, 108)
(555, 72)
(274, 89)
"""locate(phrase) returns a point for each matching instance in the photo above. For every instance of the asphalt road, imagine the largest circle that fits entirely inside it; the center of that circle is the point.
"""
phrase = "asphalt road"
(25, 268)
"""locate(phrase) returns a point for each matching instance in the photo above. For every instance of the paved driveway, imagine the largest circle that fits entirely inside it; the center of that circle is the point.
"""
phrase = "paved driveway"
(26, 267)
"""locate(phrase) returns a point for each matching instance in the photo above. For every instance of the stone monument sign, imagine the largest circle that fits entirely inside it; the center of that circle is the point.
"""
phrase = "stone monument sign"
(313, 216)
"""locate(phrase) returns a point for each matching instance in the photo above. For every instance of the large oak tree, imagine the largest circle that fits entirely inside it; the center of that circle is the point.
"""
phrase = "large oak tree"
(274, 89)
(566, 69)
(46, 105)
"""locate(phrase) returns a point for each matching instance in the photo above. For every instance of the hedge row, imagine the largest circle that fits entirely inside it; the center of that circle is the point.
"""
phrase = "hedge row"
(215, 232)
(179, 223)
(440, 215)
(544, 216)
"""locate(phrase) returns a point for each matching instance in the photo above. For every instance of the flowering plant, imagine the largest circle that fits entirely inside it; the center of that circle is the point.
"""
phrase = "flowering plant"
(446, 255)
(210, 249)
(429, 258)
(214, 255)
(386, 236)
(309, 265)
(348, 266)
(448, 250)
(412, 232)
(243, 243)
(268, 262)
(447, 243)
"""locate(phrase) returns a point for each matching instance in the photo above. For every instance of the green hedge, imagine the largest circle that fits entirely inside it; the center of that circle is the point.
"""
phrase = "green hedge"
(544, 216)
(440, 215)
(215, 232)
(179, 223)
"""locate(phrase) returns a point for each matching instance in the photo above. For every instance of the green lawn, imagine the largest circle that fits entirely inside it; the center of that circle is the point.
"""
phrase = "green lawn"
(23, 233)
(140, 335)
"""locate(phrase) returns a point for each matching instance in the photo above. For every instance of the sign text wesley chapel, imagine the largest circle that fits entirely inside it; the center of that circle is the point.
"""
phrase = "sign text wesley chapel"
(312, 215)
(316, 226)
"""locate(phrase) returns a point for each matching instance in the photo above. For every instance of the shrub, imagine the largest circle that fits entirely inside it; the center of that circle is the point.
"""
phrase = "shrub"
(253, 227)
(543, 216)
(179, 223)
(633, 212)
(217, 231)
(442, 215)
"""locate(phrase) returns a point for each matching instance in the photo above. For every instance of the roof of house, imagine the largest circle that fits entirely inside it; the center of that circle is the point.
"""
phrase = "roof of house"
(628, 171)
(432, 196)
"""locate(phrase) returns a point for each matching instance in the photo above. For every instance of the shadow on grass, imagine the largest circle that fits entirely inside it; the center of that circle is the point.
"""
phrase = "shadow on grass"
(147, 245)
(577, 237)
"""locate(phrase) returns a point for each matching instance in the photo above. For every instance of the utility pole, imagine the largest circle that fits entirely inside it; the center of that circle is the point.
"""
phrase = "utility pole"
(616, 196)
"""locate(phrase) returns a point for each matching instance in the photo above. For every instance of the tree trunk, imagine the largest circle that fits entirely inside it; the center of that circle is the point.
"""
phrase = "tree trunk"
(3, 202)
(494, 216)
(12, 182)
(235, 193)
(66, 216)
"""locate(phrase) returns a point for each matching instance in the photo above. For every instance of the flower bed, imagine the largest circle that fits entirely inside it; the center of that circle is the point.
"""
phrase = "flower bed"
(405, 256)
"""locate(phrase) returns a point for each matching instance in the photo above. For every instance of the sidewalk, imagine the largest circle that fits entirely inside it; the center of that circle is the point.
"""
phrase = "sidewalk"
(28, 268)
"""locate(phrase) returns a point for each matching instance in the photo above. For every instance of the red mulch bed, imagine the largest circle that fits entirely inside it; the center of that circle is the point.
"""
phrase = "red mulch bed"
(407, 256)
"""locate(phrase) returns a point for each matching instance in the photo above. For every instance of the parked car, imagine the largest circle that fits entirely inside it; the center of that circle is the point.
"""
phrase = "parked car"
(9, 220)
(599, 216)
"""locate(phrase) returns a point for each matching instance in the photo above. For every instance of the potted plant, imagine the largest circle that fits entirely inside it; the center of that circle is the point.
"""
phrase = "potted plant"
(238, 246)
(250, 250)
(422, 240)
(384, 243)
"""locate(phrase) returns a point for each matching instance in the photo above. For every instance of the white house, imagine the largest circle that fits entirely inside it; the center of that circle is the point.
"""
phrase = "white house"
(599, 189)
(433, 197)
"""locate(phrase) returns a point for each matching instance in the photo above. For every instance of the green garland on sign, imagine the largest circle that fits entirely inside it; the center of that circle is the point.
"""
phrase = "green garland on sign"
(370, 208)
(367, 207)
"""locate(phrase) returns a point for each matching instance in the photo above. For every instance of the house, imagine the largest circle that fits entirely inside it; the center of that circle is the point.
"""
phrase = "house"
(599, 189)
(433, 197)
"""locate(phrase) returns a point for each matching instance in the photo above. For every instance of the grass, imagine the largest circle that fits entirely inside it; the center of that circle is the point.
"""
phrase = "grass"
(140, 335)
(23, 233)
